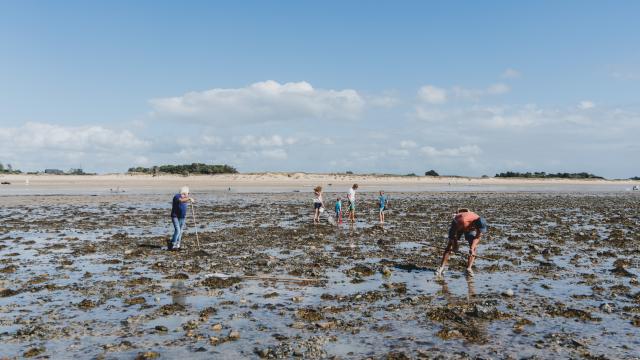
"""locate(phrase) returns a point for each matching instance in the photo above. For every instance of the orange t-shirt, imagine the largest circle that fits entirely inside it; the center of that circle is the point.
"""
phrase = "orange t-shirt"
(466, 219)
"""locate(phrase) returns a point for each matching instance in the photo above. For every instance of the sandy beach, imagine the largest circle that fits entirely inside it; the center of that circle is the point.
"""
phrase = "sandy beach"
(275, 182)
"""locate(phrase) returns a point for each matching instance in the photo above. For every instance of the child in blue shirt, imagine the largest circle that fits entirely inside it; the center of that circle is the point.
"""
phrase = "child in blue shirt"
(382, 202)
(339, 210)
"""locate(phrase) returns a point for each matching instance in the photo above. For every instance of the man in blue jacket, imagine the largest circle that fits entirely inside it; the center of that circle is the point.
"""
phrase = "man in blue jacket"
(178, 215)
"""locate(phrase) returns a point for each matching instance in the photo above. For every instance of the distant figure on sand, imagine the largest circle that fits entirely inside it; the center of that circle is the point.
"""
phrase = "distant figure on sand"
(178, 215)
(317, 204)
(382, 203)
(472, 226)
(351, 210)
(339, 210)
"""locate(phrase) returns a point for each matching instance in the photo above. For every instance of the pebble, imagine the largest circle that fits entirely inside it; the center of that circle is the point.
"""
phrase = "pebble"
(606, 308)
(234, 335)
(509, 293)
(386, 271)
(216, 327)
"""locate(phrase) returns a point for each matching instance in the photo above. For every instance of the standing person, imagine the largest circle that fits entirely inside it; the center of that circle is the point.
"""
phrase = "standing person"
(339, 210)
(382, 202)
(472, 226)
(317, 204)
(178, 215)
(351, 210)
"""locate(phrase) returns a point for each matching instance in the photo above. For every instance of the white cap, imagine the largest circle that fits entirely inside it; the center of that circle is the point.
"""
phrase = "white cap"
(184, 190)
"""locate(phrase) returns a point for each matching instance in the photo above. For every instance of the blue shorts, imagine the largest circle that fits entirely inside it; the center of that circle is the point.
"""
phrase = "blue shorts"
(317, 205)
(479, 225)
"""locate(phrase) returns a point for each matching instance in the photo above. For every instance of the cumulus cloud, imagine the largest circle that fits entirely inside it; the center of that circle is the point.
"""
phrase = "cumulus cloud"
(586, 104)
(510, 74)
(262, 101)
(625, 75)
(387, 100)
(432, 94)
(36, 145)
(462, 151)
(252, 141)
(504, 117)
(34, 136)
(476, 94)
(276, 154)
(398, 152)
(408, 144)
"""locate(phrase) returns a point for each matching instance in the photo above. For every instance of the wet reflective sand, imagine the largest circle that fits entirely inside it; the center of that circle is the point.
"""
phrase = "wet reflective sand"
(86, 276)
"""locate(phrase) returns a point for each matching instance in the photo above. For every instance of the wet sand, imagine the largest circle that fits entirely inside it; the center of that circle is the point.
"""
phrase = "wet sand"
(85, 276)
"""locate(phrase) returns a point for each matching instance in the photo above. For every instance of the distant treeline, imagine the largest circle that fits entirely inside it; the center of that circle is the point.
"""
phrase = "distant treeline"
(195, 168)
(8, 169)
(544, 175)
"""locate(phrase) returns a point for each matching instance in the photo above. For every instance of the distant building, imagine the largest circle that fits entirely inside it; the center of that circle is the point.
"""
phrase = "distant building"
(53, 171)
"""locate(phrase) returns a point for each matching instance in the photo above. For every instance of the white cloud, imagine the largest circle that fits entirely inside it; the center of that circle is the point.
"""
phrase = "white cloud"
(262, 101)
(408, 144)
(462, 151)
(497, 89)
(384, 101)
(251, 141)
(34, 136)
(586, 104)
(276, 154)
(211, 140)
(432, 94)
(510, 74)
(476, 94)
(625, 75)
(37, 145)
(398, 152)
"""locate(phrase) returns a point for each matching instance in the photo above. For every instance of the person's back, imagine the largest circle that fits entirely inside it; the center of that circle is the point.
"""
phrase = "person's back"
(382, 200)
(466, 219)
(352, 195)
(178, 208)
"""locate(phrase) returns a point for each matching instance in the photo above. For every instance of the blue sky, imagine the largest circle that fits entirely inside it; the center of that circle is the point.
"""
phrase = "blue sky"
(463, 87)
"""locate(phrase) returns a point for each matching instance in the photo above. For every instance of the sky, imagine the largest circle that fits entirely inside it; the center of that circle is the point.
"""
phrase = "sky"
(463, 87)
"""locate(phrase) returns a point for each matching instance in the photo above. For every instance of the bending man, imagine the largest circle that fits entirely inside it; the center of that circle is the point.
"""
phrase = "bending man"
(472, 226)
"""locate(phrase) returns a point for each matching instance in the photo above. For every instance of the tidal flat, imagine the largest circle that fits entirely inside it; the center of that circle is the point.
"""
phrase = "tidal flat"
(86, 277)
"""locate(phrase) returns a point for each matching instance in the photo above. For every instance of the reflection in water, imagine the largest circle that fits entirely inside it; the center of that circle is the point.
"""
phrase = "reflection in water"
(471, 290)
(179, 293)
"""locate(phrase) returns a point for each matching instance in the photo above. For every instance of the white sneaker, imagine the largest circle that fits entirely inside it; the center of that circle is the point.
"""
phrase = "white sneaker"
(440, 270)
(469, 272)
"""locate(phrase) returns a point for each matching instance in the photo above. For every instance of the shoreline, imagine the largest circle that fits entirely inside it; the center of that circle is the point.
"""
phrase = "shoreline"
(47, 184)
(299, 177)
